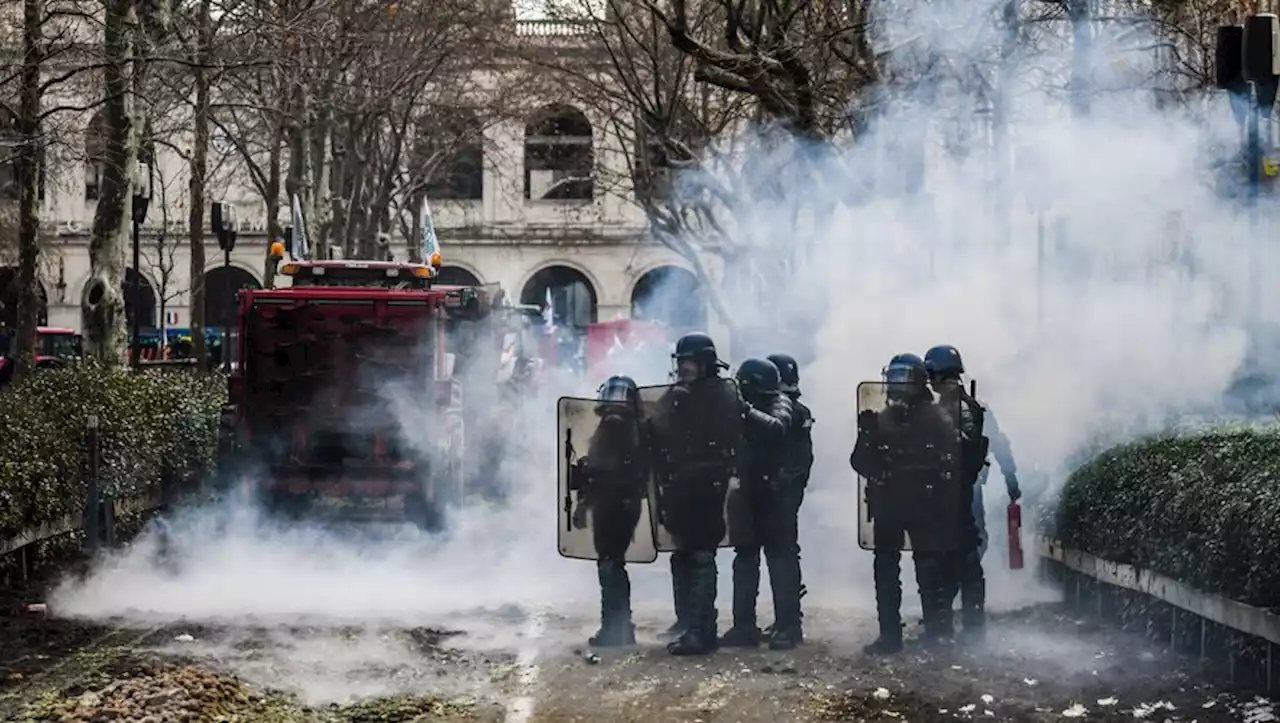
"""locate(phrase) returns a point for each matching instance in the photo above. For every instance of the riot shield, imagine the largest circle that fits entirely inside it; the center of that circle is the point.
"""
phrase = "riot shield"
(911, 489)
(605, 481)
(695, 434)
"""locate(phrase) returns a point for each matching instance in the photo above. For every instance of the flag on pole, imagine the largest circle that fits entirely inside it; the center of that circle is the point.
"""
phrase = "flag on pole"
(301, 247)
(430, 244)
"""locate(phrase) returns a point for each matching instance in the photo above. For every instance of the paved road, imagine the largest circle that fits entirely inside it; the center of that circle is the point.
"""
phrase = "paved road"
(526, 666)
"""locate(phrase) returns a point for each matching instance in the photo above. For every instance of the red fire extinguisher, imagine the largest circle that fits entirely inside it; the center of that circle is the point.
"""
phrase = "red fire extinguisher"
(1015, 535)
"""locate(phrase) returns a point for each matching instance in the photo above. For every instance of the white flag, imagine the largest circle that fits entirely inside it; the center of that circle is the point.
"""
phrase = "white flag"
(430, 245)
(301, 247)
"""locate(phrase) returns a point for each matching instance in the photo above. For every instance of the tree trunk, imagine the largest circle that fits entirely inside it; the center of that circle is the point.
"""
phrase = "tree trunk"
(102, 310)
(1081, 55)
(199, 171)
(272, 198)
(415, 209)
(27, 165)
(1001, 111)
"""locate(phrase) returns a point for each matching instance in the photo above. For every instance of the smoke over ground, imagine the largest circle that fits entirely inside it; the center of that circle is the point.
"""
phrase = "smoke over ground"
(1098, 288)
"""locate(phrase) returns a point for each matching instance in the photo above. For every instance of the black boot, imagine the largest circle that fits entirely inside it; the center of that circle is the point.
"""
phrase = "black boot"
(935, 579)
(888, 569)
(741, 637)
(785, 638)
(700, 638)
(680, 595)
(886, 644)
(746, 588)
(615, 606)
(784, 580)
(973, 598)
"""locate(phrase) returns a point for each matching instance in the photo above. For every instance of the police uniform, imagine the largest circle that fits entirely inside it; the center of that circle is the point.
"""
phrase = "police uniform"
(979, 432)
(616, 474)
(770, 513)
(905, 452)
(696, 434)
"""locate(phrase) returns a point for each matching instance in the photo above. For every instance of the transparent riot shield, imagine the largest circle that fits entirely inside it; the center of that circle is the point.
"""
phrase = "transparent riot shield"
(605, 481)
(695, 434)
(911, 488)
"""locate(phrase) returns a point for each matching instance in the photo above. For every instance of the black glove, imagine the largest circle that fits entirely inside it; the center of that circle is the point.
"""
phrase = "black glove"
(1011, 482)
(868, 423)
(580, 517)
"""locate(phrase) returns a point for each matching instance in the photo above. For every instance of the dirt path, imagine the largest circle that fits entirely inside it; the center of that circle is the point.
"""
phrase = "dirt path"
(529, 667)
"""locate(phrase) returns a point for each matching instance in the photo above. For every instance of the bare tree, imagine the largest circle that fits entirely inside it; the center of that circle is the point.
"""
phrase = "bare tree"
(690, 137)
(129, 30)
(46, 64)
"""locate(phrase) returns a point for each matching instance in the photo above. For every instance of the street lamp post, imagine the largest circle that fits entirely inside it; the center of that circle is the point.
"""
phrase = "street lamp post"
(142, 181)
(223, 220)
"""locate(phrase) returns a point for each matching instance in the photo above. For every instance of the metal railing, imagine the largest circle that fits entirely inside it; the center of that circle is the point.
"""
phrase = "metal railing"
(96, 520)
(1188, 620)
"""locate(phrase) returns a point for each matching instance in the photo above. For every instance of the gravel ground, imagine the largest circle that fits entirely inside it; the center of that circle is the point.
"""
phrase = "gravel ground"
(1040, 664)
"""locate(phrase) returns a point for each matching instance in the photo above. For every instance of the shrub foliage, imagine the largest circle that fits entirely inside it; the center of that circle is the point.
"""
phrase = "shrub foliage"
(1202, 509)
(154, 426)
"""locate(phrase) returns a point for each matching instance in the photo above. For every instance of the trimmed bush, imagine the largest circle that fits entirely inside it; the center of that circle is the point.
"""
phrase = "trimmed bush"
(1202, 509)
(154, 426)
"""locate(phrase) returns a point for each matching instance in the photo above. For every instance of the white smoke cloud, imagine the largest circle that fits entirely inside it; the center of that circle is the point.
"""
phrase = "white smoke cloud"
(1111, 296)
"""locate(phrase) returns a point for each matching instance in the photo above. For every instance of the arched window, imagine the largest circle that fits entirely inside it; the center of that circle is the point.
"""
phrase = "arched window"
(559, 159)
(455, 276)
(144, 304)
(671, 295)
(220, 286)
(573, 300)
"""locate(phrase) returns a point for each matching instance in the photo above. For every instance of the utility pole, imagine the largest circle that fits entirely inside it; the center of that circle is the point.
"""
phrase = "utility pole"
(1249, 70)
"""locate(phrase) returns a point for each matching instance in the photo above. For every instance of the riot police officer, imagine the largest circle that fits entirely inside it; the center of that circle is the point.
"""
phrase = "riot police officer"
(797, 462)
(615, 480)
(769, 513)
(980, 432)
(697, 433)
(905, 452)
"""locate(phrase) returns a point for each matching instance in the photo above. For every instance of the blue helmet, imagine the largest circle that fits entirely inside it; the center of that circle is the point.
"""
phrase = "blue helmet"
(906, 368)
(943, 361)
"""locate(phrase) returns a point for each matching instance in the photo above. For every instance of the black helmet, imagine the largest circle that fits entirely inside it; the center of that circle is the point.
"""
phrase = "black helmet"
(758, 376)
(788, 372)
(618, 388)
(617, 394)
(698, 347)
(943, 361)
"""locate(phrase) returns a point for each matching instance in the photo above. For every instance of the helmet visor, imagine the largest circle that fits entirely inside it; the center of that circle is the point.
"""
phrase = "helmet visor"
(615, 392)
(899, 374)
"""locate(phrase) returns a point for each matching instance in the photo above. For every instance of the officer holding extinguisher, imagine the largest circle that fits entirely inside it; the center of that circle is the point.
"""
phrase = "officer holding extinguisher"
(945, 368)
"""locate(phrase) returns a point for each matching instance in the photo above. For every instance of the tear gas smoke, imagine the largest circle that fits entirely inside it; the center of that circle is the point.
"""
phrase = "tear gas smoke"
(1096, 287)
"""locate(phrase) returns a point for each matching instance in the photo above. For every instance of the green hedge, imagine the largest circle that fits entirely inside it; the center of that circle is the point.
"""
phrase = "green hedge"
(1203, 509)
(154, 425)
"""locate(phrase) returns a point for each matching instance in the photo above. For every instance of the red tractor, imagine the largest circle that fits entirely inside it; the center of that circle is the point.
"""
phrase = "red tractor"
(344, 393)
(54, 347)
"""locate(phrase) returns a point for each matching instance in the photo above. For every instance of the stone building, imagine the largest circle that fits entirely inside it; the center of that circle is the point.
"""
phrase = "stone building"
(514, 220)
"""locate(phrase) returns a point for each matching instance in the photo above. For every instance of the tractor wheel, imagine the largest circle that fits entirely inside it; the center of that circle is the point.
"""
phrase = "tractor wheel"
(427, 516)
